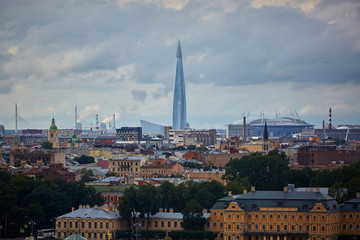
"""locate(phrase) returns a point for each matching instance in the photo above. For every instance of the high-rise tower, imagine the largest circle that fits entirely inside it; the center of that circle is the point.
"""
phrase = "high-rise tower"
(179, 107)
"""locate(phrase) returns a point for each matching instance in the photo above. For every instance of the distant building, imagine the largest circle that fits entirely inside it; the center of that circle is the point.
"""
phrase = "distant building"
(151, 128)
(205, 137)
(349, 134)
(277, 127)
(2, 129)
(129, 133)
(325, 156)
(179, 104)
(160, 167)
(53, 135)
(126, 166)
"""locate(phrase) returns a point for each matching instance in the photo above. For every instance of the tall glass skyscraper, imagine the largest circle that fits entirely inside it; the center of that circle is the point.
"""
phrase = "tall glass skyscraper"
(179, 107)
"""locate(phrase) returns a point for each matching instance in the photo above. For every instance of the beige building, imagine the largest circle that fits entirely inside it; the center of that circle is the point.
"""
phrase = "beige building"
(92, 223)
(53, 136)
(127, 166)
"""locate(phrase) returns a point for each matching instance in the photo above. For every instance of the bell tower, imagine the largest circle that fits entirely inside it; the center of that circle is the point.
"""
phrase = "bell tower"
(53, 134)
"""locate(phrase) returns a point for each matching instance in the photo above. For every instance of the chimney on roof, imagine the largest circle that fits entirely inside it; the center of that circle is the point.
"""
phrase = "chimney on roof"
(72, 209)
(245, 191)
(229, 193)
(204, 210)
(358, 194)
(165, 209)
(253, 188)
(88, 206)
(161, 210)
(171, 210)
(285, 189)
(317, 189)
(80, 206)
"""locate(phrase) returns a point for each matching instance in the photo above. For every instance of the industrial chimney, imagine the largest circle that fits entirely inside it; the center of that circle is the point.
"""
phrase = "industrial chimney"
(97, 122)
(113, 125)
(16, 118)
(244, 129)
(329, 118)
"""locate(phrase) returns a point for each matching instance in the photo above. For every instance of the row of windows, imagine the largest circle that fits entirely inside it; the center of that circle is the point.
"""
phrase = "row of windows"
(125, 170)
(88, 235)
(82, 224)
(111, 198)
(278, 216)
(351, 216)
(125, 163)
(156, 171)
(271, 227)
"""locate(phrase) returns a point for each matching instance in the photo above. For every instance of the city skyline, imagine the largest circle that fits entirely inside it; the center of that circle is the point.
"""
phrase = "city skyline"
(116, 57)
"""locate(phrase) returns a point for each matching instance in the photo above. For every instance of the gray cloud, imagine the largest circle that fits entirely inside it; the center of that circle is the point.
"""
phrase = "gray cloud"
(139, 95)
(96, 46)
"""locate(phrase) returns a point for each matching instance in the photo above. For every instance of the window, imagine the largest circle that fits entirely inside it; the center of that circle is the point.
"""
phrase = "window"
(64, 224)
(162, 224)
(70, 224)
(285, 216)
(300, 228)
(229, 216)
(256, 227)
(82, 224)
(285, 227)
(292, 216)
(221, 224)
(229, 237)
(322, 228)
(89, 225)
(89, 235)
(95, 224)
(278, 228)
(271, 216)
(292, 227)
(300, 216)
(214, 213)
(314, 228)
(271, 227)
(214, 224)
(59, 224)
(111, 198)
(278, 216)
(238, 216)
(229, 227)
(238, 227)
(106, 225)
(156, 223)
(169, 224)
(95, 235)
(264, 216)
(264, 227)
(101, 225)
(249, 226)
(221, 214)
(101, 236)
(76, 224)
(256, 216)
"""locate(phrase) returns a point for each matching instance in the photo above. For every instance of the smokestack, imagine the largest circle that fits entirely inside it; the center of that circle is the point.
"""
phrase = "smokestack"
(323, 126)
(75, 116)
(329, 118)
(16, 118)
(97, 122)
(244, 128)
(113, 122)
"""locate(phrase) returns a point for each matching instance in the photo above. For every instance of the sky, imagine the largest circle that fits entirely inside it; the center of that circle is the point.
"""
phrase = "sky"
(240, 57)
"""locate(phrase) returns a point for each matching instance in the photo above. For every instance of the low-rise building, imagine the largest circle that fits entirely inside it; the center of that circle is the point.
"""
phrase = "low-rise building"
(91, 223)
(126, 166)
(160, 167)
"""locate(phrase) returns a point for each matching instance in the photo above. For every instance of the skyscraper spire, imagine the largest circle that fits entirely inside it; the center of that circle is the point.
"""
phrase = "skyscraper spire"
(179, 107)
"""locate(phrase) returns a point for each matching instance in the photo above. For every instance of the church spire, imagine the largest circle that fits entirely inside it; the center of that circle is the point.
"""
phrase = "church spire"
(178, 51)
(266, 136)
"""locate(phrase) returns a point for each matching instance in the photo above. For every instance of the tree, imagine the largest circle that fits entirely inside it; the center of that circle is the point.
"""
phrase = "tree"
(238, 186)
(46, 145)
(266, 172)
(191, 148)
(84, 159)
(128, 204)
(148, 200)
(192, 216)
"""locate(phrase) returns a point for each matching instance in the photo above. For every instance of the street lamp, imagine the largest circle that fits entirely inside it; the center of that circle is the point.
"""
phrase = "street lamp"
(32, 227)
(137, 235)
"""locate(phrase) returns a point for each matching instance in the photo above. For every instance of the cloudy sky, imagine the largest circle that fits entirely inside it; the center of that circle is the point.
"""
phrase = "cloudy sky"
(118, 57)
